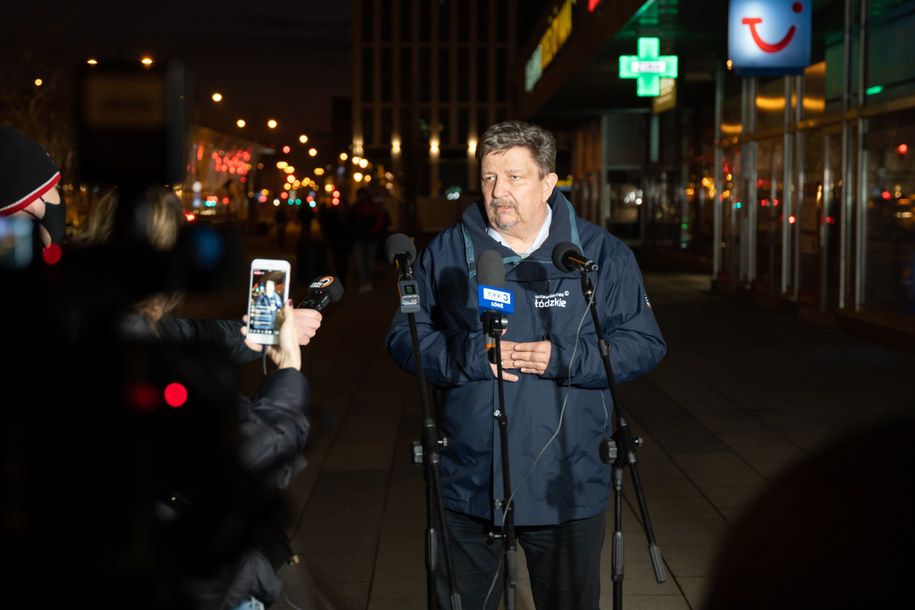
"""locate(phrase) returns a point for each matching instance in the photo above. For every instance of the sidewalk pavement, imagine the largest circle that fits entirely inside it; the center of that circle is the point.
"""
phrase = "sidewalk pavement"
(744, 392)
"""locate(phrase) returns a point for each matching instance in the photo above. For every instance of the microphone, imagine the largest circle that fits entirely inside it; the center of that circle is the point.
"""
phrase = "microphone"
(494, 300)
(401, 252)
(322, 291)
(568, 257)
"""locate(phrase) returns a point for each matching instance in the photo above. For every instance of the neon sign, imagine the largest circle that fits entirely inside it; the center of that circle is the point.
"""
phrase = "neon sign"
(557, 33)
(648, 67)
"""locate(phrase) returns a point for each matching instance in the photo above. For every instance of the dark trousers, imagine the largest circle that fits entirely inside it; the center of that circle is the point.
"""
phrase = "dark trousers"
(563, 562)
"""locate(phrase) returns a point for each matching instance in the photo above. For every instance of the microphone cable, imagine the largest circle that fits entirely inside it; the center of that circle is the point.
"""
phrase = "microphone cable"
(549, 442)
(565, 399)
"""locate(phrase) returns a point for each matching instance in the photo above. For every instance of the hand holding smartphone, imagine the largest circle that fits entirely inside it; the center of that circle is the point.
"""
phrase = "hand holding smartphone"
(268, 290)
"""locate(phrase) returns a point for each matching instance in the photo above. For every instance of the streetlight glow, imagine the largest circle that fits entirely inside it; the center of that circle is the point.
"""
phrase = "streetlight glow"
(217, 96)
(271, 123)
(312, 152)
(240, 122)
(303, 138)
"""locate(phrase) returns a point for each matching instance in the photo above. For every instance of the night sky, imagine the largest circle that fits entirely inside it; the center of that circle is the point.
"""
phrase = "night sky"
(284, 59)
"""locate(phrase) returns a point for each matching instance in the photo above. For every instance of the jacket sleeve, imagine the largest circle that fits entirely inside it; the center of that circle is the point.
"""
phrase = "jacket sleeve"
(629, 327)
(225, 333)
(453, 351)
(274, 426)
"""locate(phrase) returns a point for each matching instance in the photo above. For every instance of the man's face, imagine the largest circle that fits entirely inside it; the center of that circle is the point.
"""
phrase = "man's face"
(271, 287)
(514, 193)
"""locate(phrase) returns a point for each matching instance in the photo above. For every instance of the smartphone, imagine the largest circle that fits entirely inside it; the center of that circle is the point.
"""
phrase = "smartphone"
(268, 290)
(16, 243)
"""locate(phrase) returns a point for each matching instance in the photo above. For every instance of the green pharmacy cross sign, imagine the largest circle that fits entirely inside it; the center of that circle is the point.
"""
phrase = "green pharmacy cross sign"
(648, 67)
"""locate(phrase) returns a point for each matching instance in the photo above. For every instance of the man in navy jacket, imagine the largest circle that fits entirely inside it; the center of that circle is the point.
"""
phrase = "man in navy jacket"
(556, 392)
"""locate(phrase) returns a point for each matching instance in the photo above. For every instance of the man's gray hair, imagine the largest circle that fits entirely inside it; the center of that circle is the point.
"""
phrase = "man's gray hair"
(509, 134)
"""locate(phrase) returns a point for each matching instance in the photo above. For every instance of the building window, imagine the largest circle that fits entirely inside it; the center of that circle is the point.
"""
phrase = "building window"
(482, 76)
(368, 21)
(406, 77)
(368, 127)
(424, 78)
(463, 75)
(444, 76)
(368, 69)
(386, 12)
(387, 74)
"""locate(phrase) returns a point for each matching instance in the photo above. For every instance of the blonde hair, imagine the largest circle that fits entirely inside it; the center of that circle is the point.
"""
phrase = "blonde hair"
(156, 219)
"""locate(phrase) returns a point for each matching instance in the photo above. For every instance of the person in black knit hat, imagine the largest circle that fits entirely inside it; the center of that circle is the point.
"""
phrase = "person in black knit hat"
(28, 188)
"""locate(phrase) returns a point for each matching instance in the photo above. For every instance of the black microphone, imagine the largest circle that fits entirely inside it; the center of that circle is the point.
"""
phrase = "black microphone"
(494, 300)
(401, 252)
(568, 257)
(322, 291)
(491, 269)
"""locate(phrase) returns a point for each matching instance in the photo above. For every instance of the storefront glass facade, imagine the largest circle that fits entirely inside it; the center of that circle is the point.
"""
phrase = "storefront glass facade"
(832, 182)
(800, 188)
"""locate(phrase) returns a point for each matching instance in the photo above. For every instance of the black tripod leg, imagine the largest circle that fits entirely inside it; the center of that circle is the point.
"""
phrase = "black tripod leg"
(627, 446)
(618, 558)
(431, 460)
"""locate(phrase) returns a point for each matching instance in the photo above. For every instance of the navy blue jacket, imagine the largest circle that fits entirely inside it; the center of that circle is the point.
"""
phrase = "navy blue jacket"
(555, 421)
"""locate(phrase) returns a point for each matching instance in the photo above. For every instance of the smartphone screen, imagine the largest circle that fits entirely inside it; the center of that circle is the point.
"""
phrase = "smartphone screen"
(16, 243)
(268, 290)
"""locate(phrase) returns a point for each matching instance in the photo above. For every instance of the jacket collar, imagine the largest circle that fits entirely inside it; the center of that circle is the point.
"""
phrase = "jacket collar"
(474, 223)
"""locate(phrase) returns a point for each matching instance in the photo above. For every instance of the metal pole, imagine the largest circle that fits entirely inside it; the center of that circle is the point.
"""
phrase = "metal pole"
(716, 202)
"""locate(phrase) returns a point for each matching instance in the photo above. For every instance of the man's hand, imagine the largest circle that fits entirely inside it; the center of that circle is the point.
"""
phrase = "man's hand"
(532, 357)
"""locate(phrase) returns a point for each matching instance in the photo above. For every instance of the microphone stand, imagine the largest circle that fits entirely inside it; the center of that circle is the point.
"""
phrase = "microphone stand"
(494, 324)
(431, 459)
(619, 452)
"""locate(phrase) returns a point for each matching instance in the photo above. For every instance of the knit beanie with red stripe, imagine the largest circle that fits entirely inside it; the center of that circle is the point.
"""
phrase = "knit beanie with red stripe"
(28, 172)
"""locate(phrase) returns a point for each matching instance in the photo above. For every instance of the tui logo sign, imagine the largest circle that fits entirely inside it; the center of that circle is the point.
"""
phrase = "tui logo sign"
(769, 36)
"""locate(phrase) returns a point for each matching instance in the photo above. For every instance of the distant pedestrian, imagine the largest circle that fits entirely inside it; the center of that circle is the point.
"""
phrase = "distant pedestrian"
(282, 219)
(335, 227)
(367, 222)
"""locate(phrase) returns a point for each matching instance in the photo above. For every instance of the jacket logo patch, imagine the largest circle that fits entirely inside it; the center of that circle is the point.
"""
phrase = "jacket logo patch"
(557, 299)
